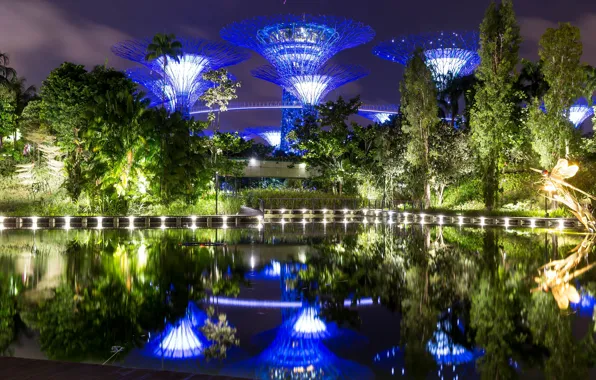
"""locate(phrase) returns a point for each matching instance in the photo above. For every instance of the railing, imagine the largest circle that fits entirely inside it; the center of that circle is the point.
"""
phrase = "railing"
(237, 106)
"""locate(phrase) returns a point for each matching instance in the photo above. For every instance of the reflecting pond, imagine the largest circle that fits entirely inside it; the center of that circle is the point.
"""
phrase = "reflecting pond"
(300, 302)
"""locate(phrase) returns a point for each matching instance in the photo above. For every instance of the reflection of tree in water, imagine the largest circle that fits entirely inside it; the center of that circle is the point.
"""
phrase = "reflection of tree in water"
(117, 288)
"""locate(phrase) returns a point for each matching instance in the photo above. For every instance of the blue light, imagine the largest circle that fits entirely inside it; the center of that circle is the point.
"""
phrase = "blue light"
(297, 42)
(579, 112)
(183, 339)
(270, 134)
(182, 82)
(378, 117)
(309, 325)
(311, 88)
(444, 350)
(586, 304)
(446, 54)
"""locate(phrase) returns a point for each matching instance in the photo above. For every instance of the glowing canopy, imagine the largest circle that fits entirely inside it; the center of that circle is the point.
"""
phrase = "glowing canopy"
(182, 339)
(270, 134)
(447, 54)
(181, 83)
(579, 112)
(310, 89)
(297, 42)
(377, 117)
(444, 350)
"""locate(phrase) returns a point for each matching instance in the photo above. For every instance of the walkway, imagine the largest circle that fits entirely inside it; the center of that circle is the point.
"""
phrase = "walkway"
(16, 368)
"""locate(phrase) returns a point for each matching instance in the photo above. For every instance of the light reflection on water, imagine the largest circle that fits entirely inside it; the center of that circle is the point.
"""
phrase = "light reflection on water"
(340, 302)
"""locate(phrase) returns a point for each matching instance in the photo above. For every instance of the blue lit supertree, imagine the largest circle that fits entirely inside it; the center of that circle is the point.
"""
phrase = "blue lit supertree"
(298, 48)
(580, 111)
(182, 83)
(447, 54)
(270, 134)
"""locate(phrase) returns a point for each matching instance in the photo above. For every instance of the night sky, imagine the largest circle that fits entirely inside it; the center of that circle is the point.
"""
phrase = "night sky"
(40, 35)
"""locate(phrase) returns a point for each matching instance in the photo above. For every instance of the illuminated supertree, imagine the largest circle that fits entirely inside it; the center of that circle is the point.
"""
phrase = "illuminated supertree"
(181, 84)
(182, 339)
(580, 111)
(298, 48)
(270, 134)
(447, 54)
(311, 88)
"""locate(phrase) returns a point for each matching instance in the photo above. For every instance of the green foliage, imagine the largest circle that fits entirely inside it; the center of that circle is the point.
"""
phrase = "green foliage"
(221, 335)
(493, 116)
(560, 54)
(8, 113)
(420, 109)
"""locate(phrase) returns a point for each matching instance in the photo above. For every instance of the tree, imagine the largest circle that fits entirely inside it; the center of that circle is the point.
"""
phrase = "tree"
(7, 74)
(164, 47)
(449, 96)
(449, 158)
(419, 106)
(531, 82)
(220, 94)
(8, 113)
(493, 116)
(560, 54)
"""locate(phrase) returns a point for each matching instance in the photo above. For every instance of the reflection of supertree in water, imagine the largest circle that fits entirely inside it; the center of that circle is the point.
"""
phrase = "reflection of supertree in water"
(298, 48)
(182, 82)
(182, 339)
(447, 54)
(445, 350)
(270, 134)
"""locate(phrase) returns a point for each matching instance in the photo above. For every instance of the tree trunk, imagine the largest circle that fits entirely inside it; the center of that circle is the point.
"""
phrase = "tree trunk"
(440, 194)
(1, 142)
(426, 194)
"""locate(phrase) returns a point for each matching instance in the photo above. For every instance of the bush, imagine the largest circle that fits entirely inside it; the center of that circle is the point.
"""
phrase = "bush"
(298, 198)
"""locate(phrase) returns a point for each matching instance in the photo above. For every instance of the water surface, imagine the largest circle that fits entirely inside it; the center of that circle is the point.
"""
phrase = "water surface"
(352, 302)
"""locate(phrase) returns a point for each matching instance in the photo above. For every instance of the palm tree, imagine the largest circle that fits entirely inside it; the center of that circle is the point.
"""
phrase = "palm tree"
(7, 74)
(164, 46)
(451, 93)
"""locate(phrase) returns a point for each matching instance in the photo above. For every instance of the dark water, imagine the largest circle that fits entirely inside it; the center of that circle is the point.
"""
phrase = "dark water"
(302, 302)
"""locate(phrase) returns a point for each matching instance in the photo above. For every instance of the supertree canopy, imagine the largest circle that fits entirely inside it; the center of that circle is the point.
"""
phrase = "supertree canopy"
(181, 84)
(270, 134)
(298, 48)
(311, 88)
(580, 111)
(297, 42)
(447, 54)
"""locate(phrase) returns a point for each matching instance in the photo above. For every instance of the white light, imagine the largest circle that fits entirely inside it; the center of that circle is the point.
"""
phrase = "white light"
(532, 223)
(324, 211)
(376, 220)
(283, 221)
(482, 221)
(303, 221)
(304, 211)
(309, 322)
(579, 113)
(561, 224)
(506, 222)
(447, 61)
(259, 226)
(422, 218)
(360, 302)
(183, 79)
(283, 210)
(1, 223)
(252, 262)
(67, 222)
(461, 220)
(346, 211)
(131, 222)
(345, 220)
(324, 221)
(34, 222)
(365, 211)
(302, 166)
(365, 221)
(163, 222)
(193, 226)
(99, 222)
(180, 342)
(273, 138)
(441, 219)
(310, 89)
(252, 162)
(255, 303)
(193, 218)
